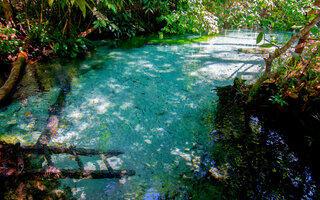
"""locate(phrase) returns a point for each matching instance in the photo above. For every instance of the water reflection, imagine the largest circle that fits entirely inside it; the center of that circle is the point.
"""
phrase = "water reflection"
(251, 160)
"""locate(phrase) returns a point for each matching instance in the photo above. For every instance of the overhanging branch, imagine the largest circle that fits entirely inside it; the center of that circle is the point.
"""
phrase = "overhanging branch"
(292, 40)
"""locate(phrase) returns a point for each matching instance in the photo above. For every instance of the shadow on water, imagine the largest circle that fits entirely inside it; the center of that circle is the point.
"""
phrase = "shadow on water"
(250, 158)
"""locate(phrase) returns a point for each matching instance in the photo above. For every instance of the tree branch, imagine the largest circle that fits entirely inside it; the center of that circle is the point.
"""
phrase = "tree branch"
(87, 32)
(283, 49)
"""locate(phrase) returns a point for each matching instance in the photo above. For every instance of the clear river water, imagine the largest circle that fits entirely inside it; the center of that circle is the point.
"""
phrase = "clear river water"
(155, 103)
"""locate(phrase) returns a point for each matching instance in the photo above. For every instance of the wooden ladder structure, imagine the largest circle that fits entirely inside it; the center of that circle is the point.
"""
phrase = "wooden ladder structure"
(20, 170)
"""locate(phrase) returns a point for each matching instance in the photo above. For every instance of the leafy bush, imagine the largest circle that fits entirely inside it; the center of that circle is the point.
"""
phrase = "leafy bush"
(69, 46)
(9, 44)
(189, 16)
(278, 15)
(39, 34)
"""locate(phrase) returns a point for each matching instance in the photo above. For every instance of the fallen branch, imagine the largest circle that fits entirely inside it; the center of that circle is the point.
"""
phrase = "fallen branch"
(87, 32)
(11, 82)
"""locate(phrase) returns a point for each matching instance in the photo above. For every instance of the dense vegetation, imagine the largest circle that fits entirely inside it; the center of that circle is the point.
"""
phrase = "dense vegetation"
(267, 14)
(40, 28)
(294, 77)
(36, 29)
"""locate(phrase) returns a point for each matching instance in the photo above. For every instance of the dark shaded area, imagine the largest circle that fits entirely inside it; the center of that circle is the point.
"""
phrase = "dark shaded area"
(298, 122)
(4, 72)
(260, 147)
(254, 154)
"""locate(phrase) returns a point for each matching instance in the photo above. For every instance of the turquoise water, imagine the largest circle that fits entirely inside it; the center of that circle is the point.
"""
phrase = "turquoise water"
(151, 102)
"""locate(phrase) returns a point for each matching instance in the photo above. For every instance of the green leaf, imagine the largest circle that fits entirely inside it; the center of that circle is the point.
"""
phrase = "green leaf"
(267, 45)
(103, 24)
(75, 48)
(96, 24)
(82, 6)
(112, 7)
(73, 54)
(259, 38)
(65, 47)
(56, 47)
(272, 24)
(50, 2)
(314, 30)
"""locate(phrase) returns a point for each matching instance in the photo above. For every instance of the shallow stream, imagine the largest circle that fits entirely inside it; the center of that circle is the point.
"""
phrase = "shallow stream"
(156, 103)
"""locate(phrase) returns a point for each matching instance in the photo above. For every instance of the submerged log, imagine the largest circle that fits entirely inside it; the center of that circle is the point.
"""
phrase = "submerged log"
(60, 150)
(11, 163)
(76, 174)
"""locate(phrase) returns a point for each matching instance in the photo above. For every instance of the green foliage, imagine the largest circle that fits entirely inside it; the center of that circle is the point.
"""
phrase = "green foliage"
(39, 34)
(82, 5)
(69, 46)
(124, 25)
(45, 25)
(9, 44)
(268, 14)
(278, 99)
(189, 16)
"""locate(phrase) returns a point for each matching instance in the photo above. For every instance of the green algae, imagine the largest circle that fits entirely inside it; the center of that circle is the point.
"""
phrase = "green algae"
(140, 41)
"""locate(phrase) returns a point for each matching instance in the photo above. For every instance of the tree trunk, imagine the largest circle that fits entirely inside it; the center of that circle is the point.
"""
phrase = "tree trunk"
(7, 10)
(304, 39)
(11, 82)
